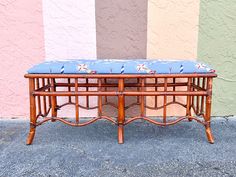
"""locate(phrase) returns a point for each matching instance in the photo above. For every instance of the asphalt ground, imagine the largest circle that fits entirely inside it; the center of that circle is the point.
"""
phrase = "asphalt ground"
(149, 150)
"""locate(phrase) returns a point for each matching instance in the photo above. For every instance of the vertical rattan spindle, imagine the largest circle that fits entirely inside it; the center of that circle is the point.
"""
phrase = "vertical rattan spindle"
(121, 111)
(188, 102)
(138, 89)
(76, 102)
(208, 111)
(33, 118)
(44, 99)
(156, 88)
(87, 97)
(174, 81)
(142, 101)
(69, 89)
(165, 101)
(193, 97)
(99, 98)
(53, 98)
(38, 98)
(105, 88)
(198, 97)
(49, 97)
(203, 97)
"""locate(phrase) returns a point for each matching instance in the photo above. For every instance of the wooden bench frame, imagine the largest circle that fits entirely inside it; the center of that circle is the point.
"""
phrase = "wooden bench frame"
(43, 98)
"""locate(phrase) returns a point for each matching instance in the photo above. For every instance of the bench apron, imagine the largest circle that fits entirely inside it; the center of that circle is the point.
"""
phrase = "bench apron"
(46, 78)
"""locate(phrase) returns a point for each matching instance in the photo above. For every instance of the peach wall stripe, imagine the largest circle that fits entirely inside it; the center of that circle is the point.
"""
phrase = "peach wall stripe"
(21, 46)
(172, 34)
(172, 29)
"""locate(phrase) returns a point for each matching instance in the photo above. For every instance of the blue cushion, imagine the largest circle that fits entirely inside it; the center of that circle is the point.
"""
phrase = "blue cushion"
(112, 66)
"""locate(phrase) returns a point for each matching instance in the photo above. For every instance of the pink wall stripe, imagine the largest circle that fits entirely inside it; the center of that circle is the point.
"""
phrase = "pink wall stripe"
(21, 46)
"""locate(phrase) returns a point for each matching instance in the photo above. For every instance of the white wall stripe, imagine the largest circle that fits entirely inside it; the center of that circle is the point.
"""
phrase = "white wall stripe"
(69, 29)
(70, 33)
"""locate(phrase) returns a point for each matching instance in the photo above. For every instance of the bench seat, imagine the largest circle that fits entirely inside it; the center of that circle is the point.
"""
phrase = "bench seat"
(110, 66)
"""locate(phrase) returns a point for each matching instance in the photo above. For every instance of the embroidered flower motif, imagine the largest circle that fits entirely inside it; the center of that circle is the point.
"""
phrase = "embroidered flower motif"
(84, 67)
(143, 67)
(210, 70)
(203, 66)
(200, 66)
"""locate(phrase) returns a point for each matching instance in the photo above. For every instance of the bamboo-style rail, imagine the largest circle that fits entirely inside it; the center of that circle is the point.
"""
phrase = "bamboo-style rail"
(45, 89)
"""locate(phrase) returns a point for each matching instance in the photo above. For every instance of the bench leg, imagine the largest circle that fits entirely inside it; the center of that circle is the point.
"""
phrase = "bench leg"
(209, 134)
(121, 112)
(33, 118)
(120, 134)
(31, 134)
(208, 112)
(188, 101)
(54, 100)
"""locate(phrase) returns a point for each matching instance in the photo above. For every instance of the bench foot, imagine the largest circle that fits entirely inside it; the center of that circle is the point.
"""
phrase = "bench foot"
(30, 137)
(209, 134)
(120, 134)
(33, 116)
(53, 120)
(190, 119)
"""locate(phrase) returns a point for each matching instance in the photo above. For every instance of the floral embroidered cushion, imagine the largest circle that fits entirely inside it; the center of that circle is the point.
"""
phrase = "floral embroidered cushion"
(114, 66)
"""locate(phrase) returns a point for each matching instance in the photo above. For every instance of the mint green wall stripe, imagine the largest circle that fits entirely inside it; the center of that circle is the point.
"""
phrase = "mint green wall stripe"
(217, 46)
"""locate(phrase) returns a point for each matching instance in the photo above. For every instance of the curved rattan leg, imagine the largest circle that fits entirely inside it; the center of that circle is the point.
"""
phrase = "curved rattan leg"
(121, 112)
(30, 137)
(188, 108)
(33, 117)
(209, 134)
(54, 100)
(120, 134)
(208, 111)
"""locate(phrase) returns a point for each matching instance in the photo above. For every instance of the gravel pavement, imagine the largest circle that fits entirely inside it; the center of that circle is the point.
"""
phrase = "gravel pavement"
(149, 150)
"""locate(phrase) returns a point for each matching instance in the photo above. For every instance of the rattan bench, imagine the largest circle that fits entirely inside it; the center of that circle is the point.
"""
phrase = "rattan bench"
(45, 79)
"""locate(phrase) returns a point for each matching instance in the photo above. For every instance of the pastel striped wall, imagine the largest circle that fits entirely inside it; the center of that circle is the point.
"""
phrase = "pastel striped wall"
(121, 33)
(172, 34)
(34, 31)
(21, 46)
(70, 33)
(173, 29)
(217, 46)
(121, 28)
(69, 29)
